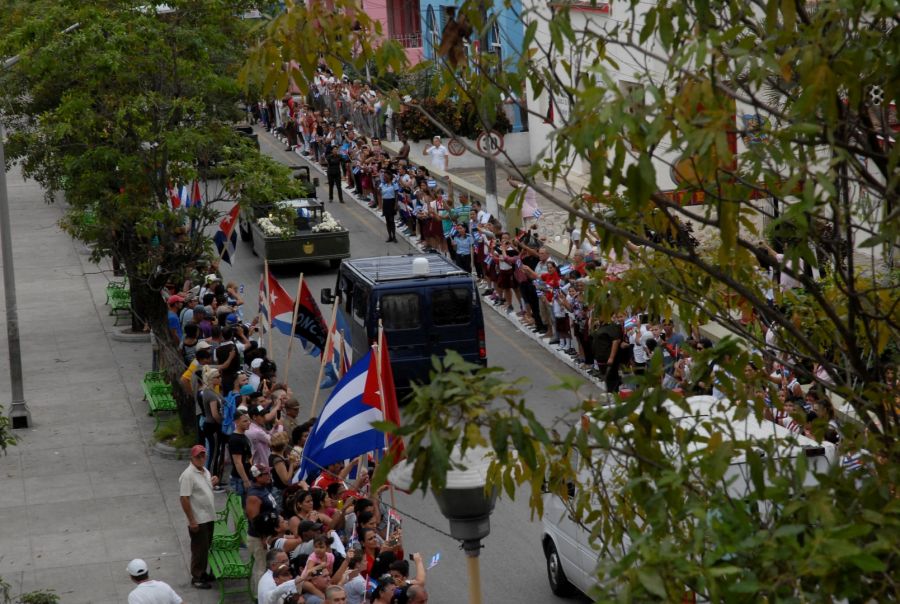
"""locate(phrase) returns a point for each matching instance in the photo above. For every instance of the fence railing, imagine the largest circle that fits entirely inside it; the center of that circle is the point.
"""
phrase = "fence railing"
(413, 40)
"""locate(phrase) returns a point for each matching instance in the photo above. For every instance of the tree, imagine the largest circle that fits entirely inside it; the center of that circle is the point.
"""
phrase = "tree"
(780, 117)
(119, 110)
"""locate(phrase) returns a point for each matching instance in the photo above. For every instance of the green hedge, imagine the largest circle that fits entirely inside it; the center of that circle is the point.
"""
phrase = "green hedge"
(460, 118)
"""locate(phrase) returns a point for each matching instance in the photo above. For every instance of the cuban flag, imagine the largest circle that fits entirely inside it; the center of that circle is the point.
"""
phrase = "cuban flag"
(173, 198)
(184, 194)
(565, 270)
(337, 363)
(226, 237)
(278, 308)
(344, 429)
(536, 213)
(630, 323)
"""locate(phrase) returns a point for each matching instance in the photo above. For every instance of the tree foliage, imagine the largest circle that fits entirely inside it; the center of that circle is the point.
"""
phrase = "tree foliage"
(119, 109)
(777, 115)
(817, 177)
(115, 112)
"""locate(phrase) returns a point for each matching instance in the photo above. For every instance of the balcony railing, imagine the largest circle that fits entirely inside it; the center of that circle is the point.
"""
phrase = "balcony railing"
(413, 40)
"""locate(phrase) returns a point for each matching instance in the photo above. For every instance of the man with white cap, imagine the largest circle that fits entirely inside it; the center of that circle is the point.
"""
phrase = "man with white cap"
(149, 591)
(197, 501)
(209, 285)
(255, 377)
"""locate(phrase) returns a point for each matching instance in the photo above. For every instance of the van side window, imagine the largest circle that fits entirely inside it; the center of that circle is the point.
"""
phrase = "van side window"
(360, 304)
(346, 294)
(401, 311)
(452, 306)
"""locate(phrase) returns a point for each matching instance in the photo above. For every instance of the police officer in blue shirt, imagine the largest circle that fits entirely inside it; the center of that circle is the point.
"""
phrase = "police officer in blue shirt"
(389, 191)
(463, 243)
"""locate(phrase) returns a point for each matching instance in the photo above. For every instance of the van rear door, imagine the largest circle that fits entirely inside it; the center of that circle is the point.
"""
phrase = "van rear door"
(456, 321)
(401, 312)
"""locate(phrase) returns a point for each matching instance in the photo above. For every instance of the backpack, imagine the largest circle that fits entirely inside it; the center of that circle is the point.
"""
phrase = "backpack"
(228, 409)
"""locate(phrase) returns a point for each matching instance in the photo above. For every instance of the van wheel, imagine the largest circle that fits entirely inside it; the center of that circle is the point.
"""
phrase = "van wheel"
(559, 585)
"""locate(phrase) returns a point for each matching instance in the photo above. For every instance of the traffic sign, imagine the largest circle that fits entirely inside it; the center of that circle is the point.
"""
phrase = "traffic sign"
(490, 143)
(455, 147)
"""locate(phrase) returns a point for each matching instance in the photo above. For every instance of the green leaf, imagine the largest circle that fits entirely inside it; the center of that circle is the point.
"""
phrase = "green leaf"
(652, 581)
(789, 530)
(869, 563)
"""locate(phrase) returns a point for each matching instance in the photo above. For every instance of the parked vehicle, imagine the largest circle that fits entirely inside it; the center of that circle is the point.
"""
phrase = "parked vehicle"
(572, 562)
(316, 235)
(427, 306)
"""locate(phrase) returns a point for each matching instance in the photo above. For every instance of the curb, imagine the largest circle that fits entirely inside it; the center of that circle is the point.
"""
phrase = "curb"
(525, 330)
(166, 452)
(121, 336)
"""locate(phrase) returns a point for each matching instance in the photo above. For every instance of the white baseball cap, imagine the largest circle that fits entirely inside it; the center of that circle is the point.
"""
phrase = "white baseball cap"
(136, 567)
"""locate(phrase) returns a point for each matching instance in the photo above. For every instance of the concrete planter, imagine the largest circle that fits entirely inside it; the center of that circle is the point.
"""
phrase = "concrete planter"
(166, 452)
(125, 335)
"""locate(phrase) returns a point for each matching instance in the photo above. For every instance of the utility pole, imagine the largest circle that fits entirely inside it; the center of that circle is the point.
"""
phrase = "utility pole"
(490, 169)
(19, 414)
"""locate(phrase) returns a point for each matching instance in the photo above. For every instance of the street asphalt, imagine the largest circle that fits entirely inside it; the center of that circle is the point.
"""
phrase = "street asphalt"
(81, 493)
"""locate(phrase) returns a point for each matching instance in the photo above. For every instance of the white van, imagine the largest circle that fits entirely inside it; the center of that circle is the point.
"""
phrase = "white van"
(572, 562)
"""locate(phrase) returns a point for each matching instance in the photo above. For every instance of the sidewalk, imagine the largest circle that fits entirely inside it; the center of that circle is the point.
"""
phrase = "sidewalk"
(81, 495)
(511, 319)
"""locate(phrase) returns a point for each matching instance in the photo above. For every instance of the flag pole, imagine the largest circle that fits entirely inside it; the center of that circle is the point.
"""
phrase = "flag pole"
(315, 403)
(383, 417)
(287, 360)
(269, 306)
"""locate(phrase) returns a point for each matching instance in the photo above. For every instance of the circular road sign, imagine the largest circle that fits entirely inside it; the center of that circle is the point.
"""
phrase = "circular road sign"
(490, 143)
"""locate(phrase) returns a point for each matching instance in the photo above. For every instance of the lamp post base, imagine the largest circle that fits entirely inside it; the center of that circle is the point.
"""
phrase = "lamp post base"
(19, 416)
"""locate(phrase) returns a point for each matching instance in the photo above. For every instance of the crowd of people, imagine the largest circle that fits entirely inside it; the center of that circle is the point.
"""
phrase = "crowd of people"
(325, 538)
(328, 537)
(515, 269)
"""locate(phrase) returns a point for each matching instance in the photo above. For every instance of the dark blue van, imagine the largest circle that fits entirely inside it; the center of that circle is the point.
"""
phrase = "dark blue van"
(427, 305)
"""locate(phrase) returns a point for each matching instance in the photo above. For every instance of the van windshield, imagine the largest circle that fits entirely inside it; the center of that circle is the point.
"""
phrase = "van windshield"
(452, 306)
(400, 311)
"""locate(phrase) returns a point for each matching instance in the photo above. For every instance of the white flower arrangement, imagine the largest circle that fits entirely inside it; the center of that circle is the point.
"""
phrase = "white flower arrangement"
(269, 228)
(328, 224)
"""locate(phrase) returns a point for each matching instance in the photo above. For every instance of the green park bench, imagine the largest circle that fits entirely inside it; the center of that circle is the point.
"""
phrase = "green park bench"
(115, 288)
(118, 296)
(227, 565)
(229, 531)
(158, 394)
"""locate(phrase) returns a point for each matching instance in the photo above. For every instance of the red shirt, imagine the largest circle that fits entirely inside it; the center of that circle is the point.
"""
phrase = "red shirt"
(552, 281)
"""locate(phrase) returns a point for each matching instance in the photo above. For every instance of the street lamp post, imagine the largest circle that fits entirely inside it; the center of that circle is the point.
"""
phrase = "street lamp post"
(19, 414)
(465, 503)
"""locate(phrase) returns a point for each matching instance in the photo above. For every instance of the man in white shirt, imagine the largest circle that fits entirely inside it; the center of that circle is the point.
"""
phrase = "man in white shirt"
(195, 487)
(275, 558)
(440, 157)
(285, 585)
(149, 591)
